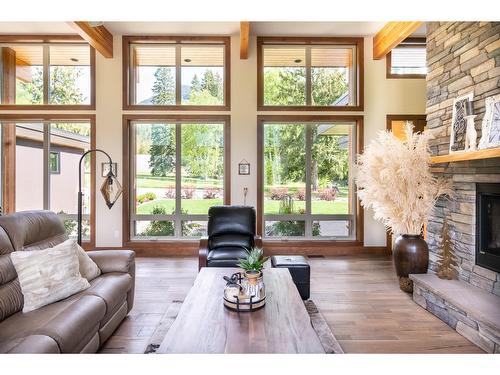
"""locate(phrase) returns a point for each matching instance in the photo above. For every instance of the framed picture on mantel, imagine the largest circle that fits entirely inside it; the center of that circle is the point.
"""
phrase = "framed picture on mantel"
(459, 123)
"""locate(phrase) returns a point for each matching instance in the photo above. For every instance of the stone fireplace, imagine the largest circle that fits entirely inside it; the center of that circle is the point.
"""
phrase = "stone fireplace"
(464, 57)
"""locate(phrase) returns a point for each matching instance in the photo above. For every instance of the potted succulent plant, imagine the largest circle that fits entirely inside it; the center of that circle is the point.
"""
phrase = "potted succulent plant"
(253, 264)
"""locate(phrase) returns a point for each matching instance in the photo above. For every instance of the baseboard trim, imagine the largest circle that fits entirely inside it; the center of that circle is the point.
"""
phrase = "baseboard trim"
(273, 248)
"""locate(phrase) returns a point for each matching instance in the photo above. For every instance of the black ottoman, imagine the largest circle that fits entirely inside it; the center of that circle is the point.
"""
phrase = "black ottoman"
(299, 269)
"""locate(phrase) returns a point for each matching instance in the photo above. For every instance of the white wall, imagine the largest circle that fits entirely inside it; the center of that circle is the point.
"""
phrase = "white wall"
(382, 96)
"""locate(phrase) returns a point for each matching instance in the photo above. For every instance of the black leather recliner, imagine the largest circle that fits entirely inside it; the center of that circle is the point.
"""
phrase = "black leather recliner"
(231, 230)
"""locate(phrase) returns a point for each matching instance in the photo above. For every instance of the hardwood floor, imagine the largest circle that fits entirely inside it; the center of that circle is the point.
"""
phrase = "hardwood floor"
(358, 296)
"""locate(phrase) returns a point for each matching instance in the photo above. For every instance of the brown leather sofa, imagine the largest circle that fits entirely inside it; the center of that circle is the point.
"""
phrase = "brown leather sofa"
(78, 324)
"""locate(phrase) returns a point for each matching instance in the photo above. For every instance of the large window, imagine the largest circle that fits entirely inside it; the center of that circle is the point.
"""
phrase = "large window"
(46, 75)
(177, 172)
(310, 73)
(306, 179)
(165, 72)
(408, 59)
(46, 156)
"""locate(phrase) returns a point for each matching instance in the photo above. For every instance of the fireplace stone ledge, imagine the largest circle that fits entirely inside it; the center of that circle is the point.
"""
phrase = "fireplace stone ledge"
(471, 311)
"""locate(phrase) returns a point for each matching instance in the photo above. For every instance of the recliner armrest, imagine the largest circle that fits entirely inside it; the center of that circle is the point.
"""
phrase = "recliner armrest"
(203, 252)
(114, 260)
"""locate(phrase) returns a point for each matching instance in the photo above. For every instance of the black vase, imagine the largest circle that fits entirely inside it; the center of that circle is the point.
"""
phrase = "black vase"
(411, 255)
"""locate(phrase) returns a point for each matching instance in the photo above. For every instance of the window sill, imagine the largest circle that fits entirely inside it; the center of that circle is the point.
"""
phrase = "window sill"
(33, 107)
(406, 76)
(206, 108)
(344, 108)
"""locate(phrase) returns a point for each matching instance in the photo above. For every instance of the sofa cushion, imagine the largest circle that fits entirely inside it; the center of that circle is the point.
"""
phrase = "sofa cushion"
(225, 257)
(112, 288)
(34, 344)
(71, 323)
(47, 276)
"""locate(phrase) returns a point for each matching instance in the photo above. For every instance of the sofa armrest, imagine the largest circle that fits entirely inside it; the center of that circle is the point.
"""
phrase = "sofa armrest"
(114, 260)
(257, 241)
(203, 252)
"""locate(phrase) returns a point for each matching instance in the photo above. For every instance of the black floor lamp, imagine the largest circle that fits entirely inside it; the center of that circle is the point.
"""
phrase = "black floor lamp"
(110, 189)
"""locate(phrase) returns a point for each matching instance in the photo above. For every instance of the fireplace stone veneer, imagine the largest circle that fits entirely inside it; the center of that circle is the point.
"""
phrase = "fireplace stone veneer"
(462, 57)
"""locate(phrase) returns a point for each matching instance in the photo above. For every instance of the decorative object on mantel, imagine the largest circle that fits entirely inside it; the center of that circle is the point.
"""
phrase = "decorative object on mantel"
(459, 123)
(490, 127)
(244, 167)
(471, 133)
(447, 262)
(395, 181)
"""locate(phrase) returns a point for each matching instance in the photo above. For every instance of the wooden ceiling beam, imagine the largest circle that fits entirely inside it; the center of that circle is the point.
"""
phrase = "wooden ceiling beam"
(244, 39)
(98, 37)
(391, 35)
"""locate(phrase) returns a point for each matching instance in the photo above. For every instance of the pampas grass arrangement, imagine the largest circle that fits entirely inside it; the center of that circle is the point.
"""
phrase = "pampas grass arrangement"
(395, 181)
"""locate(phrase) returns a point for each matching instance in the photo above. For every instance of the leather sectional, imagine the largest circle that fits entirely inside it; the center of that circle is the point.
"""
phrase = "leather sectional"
(78, 324)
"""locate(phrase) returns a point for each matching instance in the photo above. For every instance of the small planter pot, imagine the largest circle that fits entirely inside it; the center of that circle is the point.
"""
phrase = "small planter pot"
(411, 255)
(253, 277)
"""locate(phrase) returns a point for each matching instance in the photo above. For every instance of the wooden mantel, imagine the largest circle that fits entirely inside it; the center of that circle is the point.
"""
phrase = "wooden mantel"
(468, 155)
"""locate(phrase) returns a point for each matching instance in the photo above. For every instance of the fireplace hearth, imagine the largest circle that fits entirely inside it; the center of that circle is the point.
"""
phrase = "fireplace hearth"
(488, 226)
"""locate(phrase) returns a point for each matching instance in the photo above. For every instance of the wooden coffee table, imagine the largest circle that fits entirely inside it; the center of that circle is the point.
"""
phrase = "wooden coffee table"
(204, 325)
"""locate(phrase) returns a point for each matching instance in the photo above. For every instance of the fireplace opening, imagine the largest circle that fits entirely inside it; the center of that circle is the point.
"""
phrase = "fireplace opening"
(488, 226)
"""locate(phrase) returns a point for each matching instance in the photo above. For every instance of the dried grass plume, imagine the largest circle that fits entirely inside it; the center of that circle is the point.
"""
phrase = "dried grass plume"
(394, 180)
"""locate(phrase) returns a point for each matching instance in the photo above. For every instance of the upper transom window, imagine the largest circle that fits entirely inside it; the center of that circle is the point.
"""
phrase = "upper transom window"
(319, 73)
(169, 72)
(47, 74)
(408, 59)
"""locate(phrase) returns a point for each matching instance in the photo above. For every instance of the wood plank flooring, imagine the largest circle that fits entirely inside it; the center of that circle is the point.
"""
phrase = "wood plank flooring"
(358, 296)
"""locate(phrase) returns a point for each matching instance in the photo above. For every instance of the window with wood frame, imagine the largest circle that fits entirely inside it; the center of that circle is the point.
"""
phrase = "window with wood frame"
(407, 60)
(46, 73)
(40, 167)
(176, 73)
(178, 168)
(305, 181)
(310, 73)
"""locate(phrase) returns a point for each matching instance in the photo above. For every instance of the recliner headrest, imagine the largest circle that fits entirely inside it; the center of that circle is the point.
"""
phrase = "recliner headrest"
(231, 219)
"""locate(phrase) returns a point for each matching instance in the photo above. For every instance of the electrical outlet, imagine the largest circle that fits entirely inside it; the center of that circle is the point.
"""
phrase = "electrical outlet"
(116, 234)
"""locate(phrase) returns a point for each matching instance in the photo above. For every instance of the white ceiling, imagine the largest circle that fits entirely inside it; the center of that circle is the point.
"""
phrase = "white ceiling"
(211, 28)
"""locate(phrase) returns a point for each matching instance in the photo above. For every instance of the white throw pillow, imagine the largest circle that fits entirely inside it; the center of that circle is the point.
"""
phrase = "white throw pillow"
(88, 268)
(48, 276)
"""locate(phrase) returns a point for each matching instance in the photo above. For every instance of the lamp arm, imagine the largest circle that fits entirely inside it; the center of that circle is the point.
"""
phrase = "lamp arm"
(80, 194)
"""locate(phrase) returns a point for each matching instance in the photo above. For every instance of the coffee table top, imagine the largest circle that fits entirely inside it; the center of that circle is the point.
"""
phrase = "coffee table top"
(204, 325)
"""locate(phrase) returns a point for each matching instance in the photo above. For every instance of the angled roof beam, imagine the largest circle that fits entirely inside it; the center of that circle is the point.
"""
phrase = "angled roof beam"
(98, 37)
(244, 39)
(391, 35)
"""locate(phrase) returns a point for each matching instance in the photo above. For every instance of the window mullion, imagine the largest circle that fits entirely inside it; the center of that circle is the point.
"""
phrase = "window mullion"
(308, 227)
(46, 73)
(46, 166)
(178, 83)
(178, 180)
(308, 76)
(133, 180)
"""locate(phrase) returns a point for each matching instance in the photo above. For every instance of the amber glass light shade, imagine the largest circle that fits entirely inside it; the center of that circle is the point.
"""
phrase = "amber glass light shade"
(111, 190)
